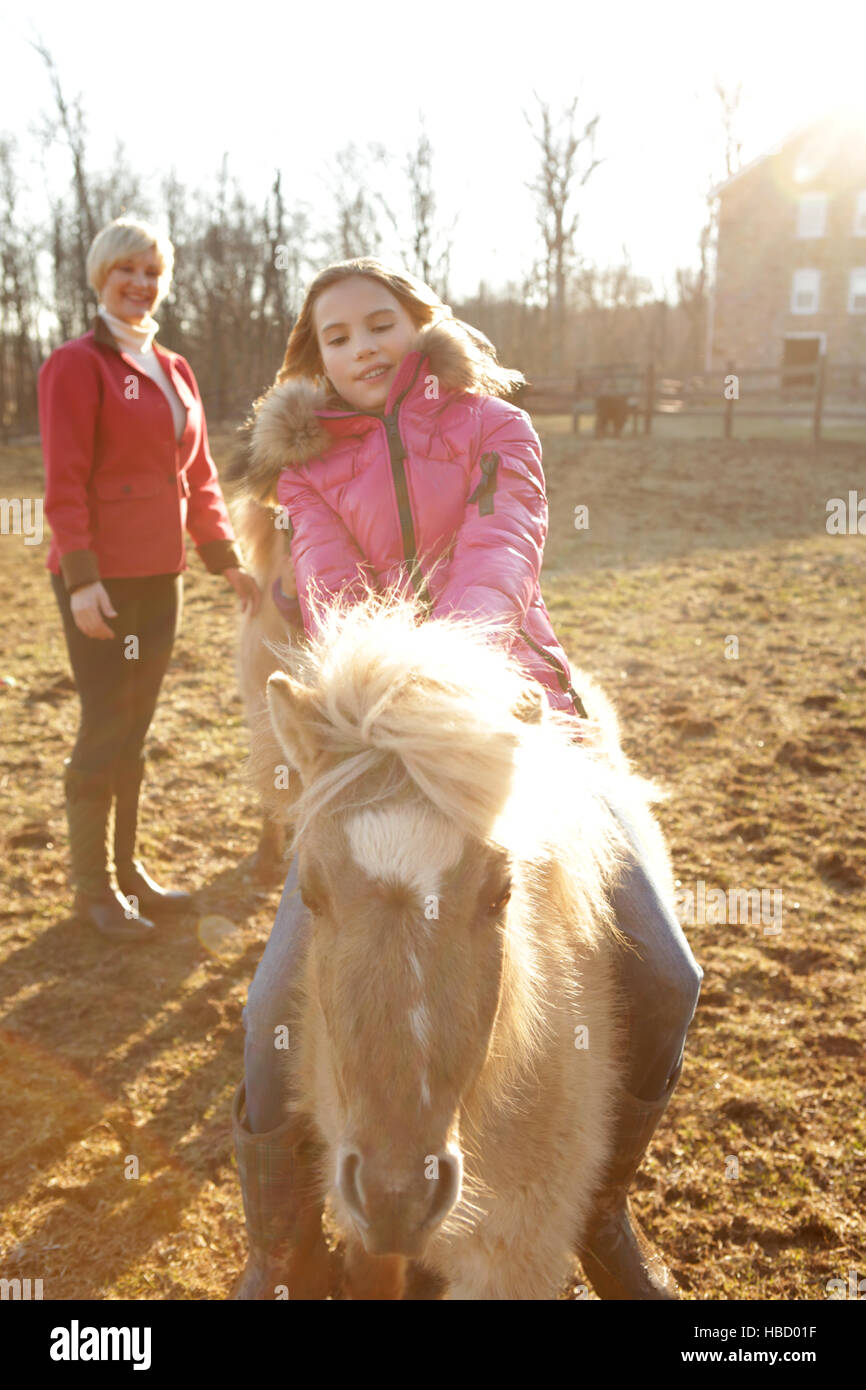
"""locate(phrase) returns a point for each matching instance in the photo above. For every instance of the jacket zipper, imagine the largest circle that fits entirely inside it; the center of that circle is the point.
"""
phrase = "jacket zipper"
(561, 673)
(483, 494)
(397, 453)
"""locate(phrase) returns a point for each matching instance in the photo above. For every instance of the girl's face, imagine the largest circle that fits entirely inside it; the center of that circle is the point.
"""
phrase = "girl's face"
(131, 287)
(363, 334)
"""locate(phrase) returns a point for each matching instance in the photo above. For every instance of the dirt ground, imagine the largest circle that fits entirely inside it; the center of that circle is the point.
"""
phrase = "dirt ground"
(709, 599)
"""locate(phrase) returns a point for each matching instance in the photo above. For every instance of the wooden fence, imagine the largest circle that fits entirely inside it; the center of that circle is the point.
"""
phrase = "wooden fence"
(617, 392)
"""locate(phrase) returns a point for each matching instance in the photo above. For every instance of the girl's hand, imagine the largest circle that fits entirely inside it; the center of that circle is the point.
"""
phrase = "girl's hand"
(246, 589)
(90, 605)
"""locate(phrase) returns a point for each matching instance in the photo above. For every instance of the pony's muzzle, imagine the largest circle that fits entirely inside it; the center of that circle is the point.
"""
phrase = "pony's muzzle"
(396, 1215)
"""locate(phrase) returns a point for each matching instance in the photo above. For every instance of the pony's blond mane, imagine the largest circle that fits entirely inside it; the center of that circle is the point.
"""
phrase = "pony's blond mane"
(440, 708)
(439, 711)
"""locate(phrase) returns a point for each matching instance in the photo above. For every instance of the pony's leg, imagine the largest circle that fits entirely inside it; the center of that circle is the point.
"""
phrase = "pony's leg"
(372, 1276)
(267, 862)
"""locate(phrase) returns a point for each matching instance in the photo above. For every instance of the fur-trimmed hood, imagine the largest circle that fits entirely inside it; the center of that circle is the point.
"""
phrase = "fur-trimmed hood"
(286, 429)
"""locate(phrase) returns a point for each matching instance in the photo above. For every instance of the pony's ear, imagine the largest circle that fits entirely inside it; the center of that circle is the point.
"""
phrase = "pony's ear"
(294, 720)
(529, 705)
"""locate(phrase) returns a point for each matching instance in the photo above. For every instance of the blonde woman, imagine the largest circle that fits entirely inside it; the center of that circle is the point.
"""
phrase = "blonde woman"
(127, 469)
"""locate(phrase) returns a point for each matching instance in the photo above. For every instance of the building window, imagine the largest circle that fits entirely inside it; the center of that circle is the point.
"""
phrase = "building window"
(804, 291)
(860, 214)
(812, 215)
(857, 290)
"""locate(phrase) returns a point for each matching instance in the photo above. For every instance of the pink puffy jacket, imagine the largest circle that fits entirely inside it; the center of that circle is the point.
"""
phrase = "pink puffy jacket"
(449, 472)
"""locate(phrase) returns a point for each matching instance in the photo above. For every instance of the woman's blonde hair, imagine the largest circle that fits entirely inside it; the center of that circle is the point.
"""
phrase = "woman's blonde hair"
(422, 304)
(127, 236)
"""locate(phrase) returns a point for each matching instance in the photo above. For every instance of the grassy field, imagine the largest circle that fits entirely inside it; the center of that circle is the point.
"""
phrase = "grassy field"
(755, 1186)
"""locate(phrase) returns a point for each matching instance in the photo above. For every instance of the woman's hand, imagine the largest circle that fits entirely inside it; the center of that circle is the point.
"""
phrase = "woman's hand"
(90, 605)
(246, 589)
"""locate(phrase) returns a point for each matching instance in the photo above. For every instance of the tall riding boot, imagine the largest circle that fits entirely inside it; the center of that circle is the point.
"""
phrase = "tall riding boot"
(97, 899)
(283, 1209)
(617, 1257)
(132, 877)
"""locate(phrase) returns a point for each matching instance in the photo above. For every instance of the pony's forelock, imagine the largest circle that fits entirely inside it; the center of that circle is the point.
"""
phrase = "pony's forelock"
(407, 707)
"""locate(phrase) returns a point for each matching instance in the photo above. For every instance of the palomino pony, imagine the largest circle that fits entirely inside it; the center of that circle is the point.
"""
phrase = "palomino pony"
(459, 1045)
(257, 636)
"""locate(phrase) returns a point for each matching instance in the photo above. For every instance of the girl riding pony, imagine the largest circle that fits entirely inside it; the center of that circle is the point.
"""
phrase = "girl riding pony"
(388, 440)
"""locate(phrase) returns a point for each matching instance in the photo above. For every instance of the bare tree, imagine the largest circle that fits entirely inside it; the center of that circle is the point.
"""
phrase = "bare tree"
(174, 311)
(425, 243)
(694, 286)
(241, 263)
(69, 120)
(431, 247)
(731, 101)
(19, 334)
(612, 310)
(287, 237)
(357, 231)
(558, 180)
(273, 300)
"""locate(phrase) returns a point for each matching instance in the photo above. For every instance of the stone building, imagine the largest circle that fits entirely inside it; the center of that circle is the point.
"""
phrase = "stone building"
(790, 278)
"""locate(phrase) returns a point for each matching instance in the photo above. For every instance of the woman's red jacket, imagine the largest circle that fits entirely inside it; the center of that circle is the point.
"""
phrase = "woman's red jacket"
(120, 490)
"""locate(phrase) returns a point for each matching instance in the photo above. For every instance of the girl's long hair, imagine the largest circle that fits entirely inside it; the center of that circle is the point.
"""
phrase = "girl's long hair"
(422, 304)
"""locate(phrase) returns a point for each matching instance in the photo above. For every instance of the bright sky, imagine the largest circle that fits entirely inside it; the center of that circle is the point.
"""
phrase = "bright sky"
(287, 85)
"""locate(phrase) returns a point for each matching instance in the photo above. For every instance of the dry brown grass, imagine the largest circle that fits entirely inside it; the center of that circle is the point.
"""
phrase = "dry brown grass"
(110, 1052)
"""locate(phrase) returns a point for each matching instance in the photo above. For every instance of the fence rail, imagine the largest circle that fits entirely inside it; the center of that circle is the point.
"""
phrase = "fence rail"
(615, 392)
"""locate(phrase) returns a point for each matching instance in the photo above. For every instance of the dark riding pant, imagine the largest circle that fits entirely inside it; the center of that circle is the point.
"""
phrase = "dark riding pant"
(118, 680)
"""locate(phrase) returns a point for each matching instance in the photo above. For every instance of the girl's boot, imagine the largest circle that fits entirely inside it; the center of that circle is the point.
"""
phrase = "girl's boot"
(289, 1257)
(617, 1257)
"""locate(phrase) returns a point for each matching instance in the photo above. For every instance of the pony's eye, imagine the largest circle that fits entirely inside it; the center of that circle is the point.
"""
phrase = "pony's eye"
(497, 904)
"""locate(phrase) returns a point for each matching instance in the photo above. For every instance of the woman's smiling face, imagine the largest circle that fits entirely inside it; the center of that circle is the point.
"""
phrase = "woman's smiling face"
(131, 286)
(363, 333)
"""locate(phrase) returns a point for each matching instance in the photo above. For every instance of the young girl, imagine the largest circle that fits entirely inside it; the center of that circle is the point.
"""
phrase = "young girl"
(387, 440)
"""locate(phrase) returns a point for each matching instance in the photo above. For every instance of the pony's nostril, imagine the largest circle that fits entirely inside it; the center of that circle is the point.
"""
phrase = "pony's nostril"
(348, 1171)
(446, 1190)
(393, 1214)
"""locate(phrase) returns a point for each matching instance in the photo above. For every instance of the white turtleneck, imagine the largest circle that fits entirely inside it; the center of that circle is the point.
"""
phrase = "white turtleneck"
(136, 340)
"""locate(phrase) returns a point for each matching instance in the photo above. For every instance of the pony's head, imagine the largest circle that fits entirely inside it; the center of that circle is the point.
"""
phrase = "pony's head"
(429, 832)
